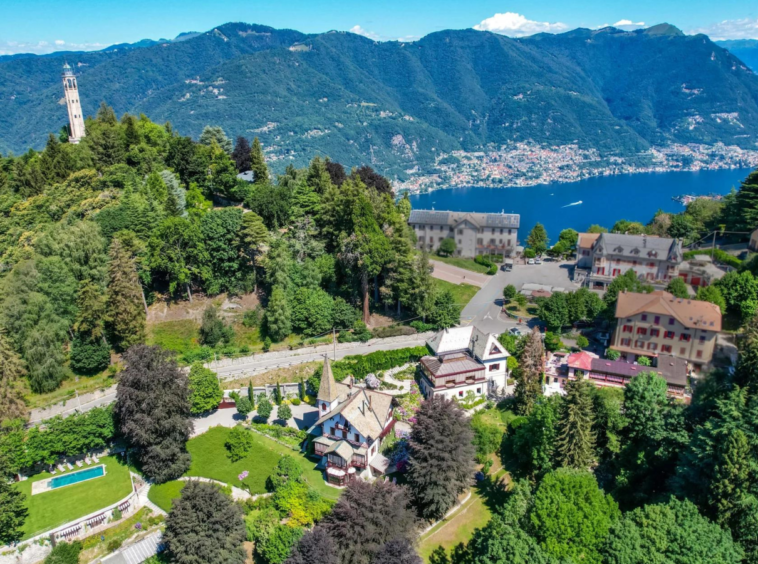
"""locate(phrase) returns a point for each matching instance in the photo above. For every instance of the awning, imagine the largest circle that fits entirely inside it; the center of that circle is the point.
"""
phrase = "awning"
(335, 471)
(351, 470)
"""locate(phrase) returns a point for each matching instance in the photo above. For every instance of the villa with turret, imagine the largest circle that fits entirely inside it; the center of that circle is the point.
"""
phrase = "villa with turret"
(353, 422)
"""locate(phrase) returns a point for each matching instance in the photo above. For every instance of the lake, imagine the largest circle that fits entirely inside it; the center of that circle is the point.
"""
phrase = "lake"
(605, 199)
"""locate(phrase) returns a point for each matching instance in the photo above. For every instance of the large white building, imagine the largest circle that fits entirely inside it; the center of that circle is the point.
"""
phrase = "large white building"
(465, 360)
(75, 117)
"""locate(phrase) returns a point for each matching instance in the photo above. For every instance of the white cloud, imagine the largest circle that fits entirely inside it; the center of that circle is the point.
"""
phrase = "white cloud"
(516, 25)
(628, 24)
(730, 29)
(360, 31)
(43, 47)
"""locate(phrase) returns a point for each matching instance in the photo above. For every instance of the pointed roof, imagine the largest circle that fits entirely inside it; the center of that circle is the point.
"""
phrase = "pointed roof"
(327, 390)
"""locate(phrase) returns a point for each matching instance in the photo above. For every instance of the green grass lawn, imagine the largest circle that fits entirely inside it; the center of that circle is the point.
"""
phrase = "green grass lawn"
(210, 460)
(461, 262)
(163, 495)
(463, 293)
(180, 336)
(53, 508)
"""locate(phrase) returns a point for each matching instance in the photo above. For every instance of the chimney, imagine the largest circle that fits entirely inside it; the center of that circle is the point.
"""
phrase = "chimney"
(644, 241)
(350, 381)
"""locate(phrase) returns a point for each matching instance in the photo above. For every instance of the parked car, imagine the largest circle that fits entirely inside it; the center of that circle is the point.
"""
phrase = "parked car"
(530, 261)
(507, 265)
(515, 331)
(538, 260)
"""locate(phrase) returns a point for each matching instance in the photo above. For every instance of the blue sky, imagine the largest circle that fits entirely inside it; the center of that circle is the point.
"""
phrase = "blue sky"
(48, 25)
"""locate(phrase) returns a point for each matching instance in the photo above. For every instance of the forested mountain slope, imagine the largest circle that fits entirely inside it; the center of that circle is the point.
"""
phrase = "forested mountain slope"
(745, 49)
(397, 105)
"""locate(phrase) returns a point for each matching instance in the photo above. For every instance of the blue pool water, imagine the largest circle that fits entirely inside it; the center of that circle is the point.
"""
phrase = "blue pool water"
(76, 477)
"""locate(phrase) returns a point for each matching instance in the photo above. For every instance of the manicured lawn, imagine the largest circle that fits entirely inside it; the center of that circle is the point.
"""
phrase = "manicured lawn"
(473, 515)
(163, 495)
(462, 292)
(210, 460)
(461, 262)
(53, 508)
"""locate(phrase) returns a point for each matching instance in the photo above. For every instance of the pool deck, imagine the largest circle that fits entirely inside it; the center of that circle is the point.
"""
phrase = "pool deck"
(44, 485)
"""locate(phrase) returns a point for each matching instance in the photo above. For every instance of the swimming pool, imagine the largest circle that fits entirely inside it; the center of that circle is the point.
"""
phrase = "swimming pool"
(76, 477)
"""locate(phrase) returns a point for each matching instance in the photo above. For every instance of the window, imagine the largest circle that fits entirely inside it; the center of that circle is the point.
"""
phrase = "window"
(671, 320)
(626, 342)
(682, 351)
(652, 346)
(699, 354)
(668, 335)
(627, 329)
(655, 332)
(644, 317)
(702, 338)
(686, 337)
(357, 438)
(657, 320)
(641, 331)
(330, 431)
(460, 393)
(666, 348)
(431, 240)
(494, 367)
(479, 391)
(460, 232)
(639, 344)
(480, 241)
(323, 407)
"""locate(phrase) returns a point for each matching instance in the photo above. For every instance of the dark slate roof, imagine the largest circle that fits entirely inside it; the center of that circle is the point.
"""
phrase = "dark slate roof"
(671, 369)
(453, 218)
(638, 247)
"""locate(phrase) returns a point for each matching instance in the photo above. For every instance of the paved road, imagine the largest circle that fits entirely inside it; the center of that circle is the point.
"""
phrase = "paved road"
(456, 275)
(484, 310)
(84, 402)
(256, 366)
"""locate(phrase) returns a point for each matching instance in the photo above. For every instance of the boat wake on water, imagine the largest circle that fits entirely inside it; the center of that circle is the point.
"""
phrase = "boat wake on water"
(579, 203)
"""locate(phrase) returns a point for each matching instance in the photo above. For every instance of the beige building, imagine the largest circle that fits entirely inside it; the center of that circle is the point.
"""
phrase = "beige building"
(75, 116)
(473, 233)
(608, 255)
(660, 324)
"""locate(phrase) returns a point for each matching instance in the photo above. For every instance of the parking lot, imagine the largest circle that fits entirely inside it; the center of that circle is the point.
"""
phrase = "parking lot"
(484, 309)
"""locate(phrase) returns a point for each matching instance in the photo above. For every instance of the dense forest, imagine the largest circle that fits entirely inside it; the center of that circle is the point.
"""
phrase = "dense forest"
(92, 233)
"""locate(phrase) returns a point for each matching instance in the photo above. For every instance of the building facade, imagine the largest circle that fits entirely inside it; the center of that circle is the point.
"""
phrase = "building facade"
(608, 255)
(353, 422)
(660, 324)
(473, 233)
(75, 117)
(465, 362)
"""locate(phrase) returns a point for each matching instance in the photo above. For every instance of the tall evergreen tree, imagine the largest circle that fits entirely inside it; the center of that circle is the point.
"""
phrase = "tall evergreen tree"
(575, 444)
(12, 370)
(153, 410)
(241, 155)
(278, 315)
(529, 373)
(747, 203)
(204, 525)
(537, 239)
(214, 134)
(13, 507)
(258, 163)
(126, 313)
(441, 456)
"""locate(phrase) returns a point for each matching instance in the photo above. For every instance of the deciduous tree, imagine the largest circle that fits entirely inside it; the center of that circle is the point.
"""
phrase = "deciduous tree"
(441, 459)
(12, 405)
(205, 392)
(153, 410)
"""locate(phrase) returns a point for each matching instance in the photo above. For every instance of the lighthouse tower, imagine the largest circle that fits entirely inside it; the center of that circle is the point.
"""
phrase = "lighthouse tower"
(75, 119)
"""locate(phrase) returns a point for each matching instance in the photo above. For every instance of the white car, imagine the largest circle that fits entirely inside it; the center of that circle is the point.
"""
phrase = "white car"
(531, 261)
(538, 260)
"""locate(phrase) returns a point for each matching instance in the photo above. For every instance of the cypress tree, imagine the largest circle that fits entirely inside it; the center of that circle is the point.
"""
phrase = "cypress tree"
(126, 313)
(576, 440)
(529, 373)
(258, 163)
(278, 315)
(12, 403)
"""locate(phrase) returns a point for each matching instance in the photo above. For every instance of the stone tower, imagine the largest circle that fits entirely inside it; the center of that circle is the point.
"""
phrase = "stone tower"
(75, 118)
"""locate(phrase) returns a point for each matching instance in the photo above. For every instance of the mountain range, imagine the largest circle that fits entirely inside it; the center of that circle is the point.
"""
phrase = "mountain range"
(399, 105)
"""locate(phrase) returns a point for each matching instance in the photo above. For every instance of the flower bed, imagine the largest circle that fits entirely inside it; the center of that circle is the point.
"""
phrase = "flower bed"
(287, 435)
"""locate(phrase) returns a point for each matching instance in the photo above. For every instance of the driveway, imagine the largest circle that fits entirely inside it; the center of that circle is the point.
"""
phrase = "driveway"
(450, 273)
(484, 310)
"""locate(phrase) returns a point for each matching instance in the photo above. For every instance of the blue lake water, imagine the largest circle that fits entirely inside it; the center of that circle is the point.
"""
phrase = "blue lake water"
(605, 200)
(76, 477)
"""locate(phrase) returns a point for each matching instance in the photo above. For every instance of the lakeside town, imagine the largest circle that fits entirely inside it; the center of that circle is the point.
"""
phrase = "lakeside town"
(529, 164)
